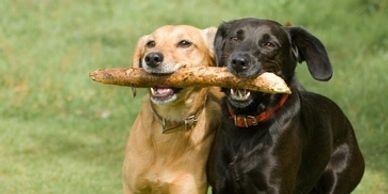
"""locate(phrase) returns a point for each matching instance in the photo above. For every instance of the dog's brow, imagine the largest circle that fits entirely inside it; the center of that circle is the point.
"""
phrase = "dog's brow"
(268, 37)
(181, 37)
(262, 30)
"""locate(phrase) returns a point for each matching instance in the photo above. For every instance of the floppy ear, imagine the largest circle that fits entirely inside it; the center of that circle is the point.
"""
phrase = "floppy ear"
(219, 41)
(139, 52)
(208, 35)
(307, 47)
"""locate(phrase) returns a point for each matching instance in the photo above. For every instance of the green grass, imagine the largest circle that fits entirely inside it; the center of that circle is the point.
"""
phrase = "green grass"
(62, 133)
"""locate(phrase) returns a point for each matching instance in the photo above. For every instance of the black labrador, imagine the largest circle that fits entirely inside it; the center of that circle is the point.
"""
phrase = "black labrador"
(278, 143)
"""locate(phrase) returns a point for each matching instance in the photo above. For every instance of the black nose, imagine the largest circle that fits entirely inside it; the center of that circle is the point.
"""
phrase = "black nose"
(240, 63)
(154, 59)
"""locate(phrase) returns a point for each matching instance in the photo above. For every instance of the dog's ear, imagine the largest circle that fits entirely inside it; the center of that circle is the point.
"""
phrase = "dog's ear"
(208, 35)
(219, 41)
(307, 47)
(139, 52)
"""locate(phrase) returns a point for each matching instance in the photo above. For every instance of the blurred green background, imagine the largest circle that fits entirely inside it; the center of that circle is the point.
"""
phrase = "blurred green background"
(62, 133)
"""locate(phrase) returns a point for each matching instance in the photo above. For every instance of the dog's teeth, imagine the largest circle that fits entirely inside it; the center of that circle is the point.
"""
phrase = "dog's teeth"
(240, 93)
(247, 94)
(152, 91)
(232, 92)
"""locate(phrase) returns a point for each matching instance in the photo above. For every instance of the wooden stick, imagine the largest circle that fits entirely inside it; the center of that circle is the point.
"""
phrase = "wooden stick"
(193, 76)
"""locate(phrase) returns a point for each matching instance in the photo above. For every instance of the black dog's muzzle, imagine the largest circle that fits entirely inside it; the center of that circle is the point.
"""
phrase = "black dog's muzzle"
(243, 65)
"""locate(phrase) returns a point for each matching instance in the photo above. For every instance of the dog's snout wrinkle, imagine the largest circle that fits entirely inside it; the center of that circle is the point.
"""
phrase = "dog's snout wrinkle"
(154, 59)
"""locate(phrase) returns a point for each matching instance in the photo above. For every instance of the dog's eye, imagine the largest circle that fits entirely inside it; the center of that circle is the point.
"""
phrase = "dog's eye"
(184, 43)
(150, 44)
(268, 44)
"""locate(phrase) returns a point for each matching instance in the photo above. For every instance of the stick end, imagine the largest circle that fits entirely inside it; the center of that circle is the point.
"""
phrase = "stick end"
(93, 75)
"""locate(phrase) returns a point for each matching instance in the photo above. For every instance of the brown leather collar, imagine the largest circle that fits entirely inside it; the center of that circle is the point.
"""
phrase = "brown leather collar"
(250, 120)
(188, 123)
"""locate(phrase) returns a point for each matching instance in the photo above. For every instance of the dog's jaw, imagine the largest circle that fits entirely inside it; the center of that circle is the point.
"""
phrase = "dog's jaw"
(162, 95)
(239, 98)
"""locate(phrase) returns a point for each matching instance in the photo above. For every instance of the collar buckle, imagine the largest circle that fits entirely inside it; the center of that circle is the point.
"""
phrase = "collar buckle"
(253, 120)
(245, 120)
(250, 120)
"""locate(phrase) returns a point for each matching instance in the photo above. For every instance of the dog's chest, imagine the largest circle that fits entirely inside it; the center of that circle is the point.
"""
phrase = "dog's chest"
(243, 163)
(249, 165)
(155, 182)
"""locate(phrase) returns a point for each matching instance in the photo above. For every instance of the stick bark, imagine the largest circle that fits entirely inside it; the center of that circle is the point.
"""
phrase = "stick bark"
(186, 77)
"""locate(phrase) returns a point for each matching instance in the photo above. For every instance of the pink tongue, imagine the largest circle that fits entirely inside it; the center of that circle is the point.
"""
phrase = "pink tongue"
(162, 91)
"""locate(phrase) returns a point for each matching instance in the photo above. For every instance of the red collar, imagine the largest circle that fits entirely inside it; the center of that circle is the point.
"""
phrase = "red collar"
(250, 120)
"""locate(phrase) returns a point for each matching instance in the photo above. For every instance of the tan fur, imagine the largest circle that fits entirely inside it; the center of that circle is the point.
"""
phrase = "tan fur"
(173, 163)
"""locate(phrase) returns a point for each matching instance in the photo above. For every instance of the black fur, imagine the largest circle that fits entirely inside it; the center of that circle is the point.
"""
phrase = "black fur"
(307, 146)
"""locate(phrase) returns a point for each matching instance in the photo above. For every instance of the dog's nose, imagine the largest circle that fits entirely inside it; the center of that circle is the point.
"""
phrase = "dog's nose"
(154, 59)
(240, 63)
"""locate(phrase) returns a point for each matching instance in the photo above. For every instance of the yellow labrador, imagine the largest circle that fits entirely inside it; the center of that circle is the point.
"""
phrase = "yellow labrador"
(170, 139)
